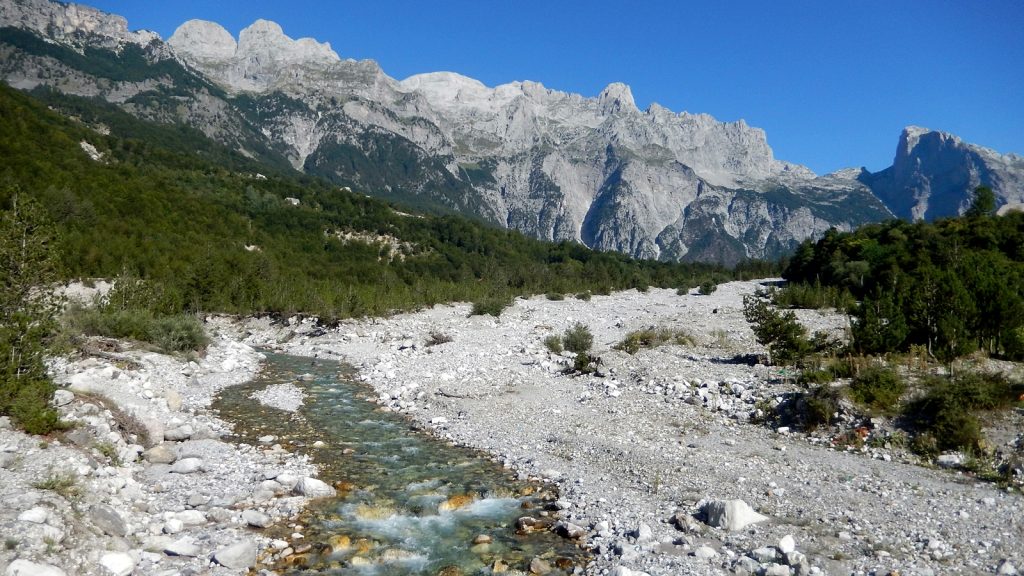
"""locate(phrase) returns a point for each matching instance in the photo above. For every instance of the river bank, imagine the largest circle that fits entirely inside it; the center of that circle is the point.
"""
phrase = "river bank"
(641, 451)
(147, 481)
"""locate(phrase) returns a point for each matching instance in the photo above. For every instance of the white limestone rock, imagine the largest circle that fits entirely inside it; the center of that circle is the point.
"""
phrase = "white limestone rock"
(313, 488)
(117, 563)
(22, 567)
(731, 514)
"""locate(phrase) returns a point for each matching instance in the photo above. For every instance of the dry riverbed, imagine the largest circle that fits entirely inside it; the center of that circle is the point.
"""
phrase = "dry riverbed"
(642, 453)
(645, 455)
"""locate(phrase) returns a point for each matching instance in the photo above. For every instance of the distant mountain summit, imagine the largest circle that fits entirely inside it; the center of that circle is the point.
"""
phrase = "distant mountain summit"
(558, 166)
(934, 174)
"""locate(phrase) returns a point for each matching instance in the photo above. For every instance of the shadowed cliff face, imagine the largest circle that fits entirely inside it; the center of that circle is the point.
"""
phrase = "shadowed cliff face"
(934, 174)
(551, 164)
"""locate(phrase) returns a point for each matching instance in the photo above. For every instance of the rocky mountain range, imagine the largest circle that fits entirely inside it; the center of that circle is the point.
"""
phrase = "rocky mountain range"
(651, 183)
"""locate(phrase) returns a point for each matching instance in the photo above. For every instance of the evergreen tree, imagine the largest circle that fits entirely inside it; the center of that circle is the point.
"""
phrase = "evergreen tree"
(27, 315)
(984, 202)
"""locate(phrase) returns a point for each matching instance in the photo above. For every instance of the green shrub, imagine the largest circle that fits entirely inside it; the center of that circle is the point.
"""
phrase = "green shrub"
(553, 344)
(813, 296)
(493, 306)
(948, 412)
(780, 332)
(28, 403)
(707, 288)
(180, 333)
(585, 296)
(879, 388)
(815, 376)
(177, 333)
(820, 406)
(555, 296)
(578, 339)
(652, 338)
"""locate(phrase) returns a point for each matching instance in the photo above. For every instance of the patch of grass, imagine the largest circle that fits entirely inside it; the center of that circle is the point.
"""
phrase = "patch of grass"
(652, 338)
(64, 483)
(493, 306)
(10, 543)
(436, 338)
(585, 296)
(554, 344)
(878, 388)
(109, 451)
(555, 296)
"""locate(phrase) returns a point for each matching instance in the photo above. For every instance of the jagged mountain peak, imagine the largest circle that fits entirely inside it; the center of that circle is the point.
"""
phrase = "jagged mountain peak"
(210, 42)
(616, 97)
(68, 22)
(555, 165)
(204, 40)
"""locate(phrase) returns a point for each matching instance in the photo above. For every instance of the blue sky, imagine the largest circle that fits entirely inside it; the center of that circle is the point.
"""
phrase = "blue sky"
(831, 82)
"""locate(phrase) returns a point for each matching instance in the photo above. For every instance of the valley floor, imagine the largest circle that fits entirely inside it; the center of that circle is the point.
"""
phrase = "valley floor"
(638, 451)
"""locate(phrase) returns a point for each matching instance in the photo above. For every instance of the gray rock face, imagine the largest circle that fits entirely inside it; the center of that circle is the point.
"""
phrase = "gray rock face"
(554, 165)
(935, 173)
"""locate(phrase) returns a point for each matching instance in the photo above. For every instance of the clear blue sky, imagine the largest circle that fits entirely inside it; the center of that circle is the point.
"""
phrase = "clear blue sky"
(832, 82)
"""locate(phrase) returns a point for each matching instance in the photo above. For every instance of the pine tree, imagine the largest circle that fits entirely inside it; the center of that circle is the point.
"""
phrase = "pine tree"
(27, 315)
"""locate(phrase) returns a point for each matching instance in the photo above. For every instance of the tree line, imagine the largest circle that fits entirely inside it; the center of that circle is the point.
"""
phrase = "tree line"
(953, 286)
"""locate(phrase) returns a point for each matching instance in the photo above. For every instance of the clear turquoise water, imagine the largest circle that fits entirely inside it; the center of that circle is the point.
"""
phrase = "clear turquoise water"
(395, 482)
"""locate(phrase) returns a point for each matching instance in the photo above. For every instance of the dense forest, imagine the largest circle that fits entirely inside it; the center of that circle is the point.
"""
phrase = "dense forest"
(952, 286)
(212, 230)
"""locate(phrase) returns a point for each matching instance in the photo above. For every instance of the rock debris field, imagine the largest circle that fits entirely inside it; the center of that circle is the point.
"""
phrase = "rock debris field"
(660, 464)
(157, 493)
(657, 458)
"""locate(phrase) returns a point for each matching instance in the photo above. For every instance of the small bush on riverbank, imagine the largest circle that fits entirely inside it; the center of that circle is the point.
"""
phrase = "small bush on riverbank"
(493, 306)
(707, 288)
(554, 344)
(177, 333)
(652, 338)
(948, 412)
(878, 388)
(578, 339)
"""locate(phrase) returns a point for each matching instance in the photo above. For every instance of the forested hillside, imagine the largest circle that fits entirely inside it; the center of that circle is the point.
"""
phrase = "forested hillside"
(212, 230)
(953, 286)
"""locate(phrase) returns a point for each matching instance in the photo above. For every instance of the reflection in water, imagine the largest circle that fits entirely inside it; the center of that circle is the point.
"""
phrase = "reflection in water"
(407, 502)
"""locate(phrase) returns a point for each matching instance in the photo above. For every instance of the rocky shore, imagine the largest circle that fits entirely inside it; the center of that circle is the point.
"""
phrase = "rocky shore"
(660, 462)
(145, 483)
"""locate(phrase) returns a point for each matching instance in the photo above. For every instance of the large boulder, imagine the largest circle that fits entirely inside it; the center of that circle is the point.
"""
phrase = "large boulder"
(238, 556)
(313, 488)
(731, 514)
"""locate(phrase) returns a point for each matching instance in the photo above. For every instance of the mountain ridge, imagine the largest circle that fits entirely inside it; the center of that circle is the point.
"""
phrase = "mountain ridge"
(555, 165)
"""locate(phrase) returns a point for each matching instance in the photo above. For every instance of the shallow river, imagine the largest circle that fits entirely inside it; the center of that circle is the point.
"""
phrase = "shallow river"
(407, 502)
